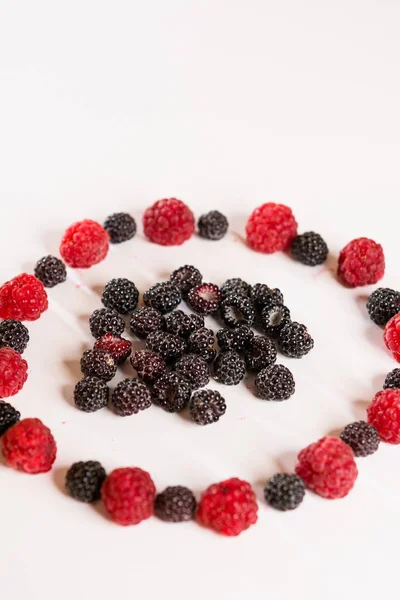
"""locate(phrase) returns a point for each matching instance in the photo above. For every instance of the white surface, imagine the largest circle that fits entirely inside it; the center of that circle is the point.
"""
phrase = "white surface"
(109, 106)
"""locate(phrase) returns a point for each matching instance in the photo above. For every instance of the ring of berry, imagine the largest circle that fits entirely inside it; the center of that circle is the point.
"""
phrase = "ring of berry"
(326, 467)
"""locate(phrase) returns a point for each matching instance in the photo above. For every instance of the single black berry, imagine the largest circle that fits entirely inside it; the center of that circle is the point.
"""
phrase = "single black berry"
(175, 504)
(263, 296)
(204, 298)
(235, 286)
(164, 296)
(91, 394)
(261, 354)
(14, 334)
(309, 248)
(185, 278)
(8, 416)
(180, 323)
(236, 310)
(201, 342)
(294, 340)
(121, 295)
(120, 227)
(195, 369)
(229, 368)
(383, 304)
(148, 365)
(238, 339)
(106, 320)
(274, 318)
(284, 492)
(146, 320)
(207, 406)
(98, 363)
(172, 392)
(51, 271)
(275, 383)
(362, 438)
(169, 346)
(129, 397)
(213, 225)
(392, 380)
(84, 480)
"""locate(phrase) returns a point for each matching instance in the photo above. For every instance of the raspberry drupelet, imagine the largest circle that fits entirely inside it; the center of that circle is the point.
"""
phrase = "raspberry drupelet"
(23, 298)
(384, 414)
(13, 372)
(361, 262)
(328, 468)
(168, 222)
(229, 507)
(128, 495)
(271, 227)
(84, 244)
(391, 336)
(29, 446)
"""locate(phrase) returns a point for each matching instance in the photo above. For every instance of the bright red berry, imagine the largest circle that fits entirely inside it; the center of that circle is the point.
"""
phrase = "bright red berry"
(328, 468)
(13, 372)
(29, 446)
(117, 346)
(128, 495)
(271, 227)
(23, 298)
(384, 414)
(361, 262)
(84, 244)
(228, 507)
(168, 222)
(391, 335)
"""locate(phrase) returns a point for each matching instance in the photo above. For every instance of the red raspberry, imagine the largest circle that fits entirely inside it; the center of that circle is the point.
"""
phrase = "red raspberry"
(228, 507)
(391, 335)
(168, 222)
(271, 227)
(118, 347)
(23, 298)
(13, 372)
(361, 262)
(84, 244)
(384, 414)
(328, 468)
(128, 495)
(29, 446)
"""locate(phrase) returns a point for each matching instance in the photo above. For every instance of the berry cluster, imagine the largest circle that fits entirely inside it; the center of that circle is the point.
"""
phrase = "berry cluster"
(181, 356)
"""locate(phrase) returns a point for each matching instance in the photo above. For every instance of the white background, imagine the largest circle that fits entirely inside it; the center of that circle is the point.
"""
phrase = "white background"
(109, 106)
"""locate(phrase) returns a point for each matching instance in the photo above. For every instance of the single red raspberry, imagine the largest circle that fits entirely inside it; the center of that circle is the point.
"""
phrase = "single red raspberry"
(168, 222)
(328, 468)
(117, 346)
(23, 298)
(228, 507)
(128, 495)
(391, 335)
(271, 227)
(13, 372)
(29, 446)
(84, 244)
(384, 414)
(361, 262)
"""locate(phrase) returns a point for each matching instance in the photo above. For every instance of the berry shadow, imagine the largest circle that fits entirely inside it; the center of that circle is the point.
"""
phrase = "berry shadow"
(99, 508)
(59, 475)
(67, 392)
(286, 462)
(330, 266)
(360, 409)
